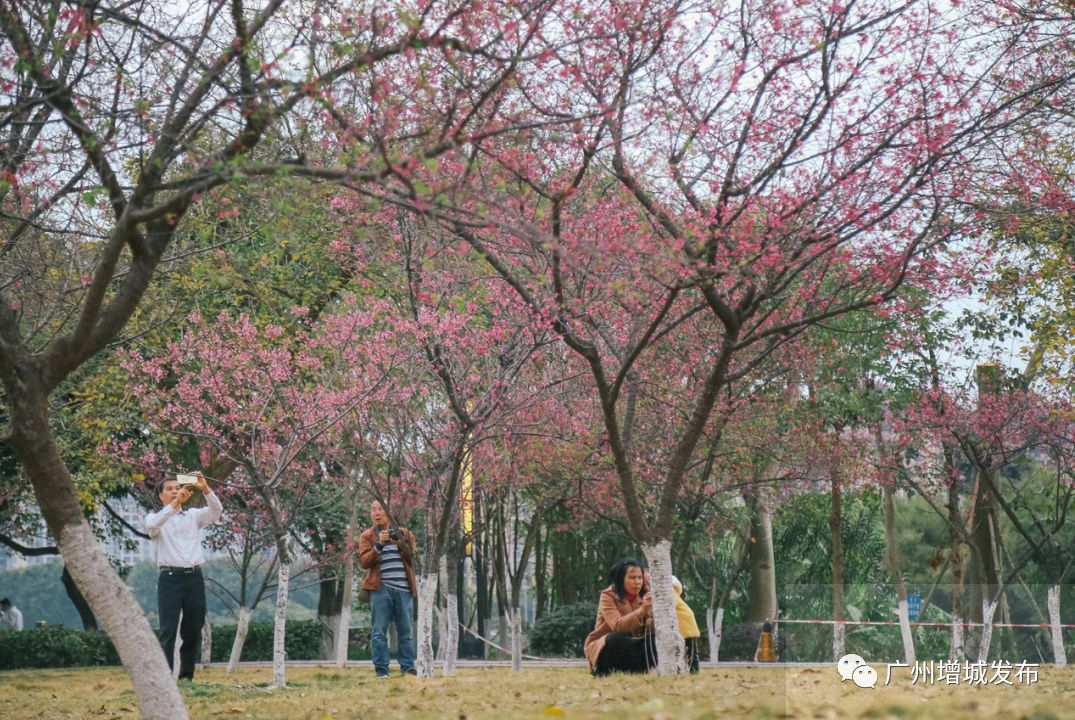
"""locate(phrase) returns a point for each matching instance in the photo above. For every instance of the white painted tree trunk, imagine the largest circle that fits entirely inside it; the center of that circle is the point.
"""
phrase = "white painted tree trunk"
(516, 641)
(503, 636)
(451, 636)
(839, 640)
(427, 592)
(909, 656)
(1059, 655)
(279, 656)
(671, 654)
(441, 614)
(343, 629)
(957, 652)
(135, 641)
(714, 628)
(330, 640)
(207, 644)
(242, 627)
(988, 609)
(439, 617)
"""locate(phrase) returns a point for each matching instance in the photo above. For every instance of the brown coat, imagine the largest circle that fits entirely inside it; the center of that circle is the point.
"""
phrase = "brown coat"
(614, 615)
(370, 559)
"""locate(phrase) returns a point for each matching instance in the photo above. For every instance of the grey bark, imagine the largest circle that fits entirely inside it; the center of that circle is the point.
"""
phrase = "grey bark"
(671, 654)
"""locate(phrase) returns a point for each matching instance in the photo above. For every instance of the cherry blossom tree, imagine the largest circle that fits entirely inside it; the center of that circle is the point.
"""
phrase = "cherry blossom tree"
(471, 336)
(1006, 423)
(264, 399)
(119, 117)
(736, 174)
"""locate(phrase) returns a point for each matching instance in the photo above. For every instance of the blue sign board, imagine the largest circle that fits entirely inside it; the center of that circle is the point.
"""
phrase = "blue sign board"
(914, 606)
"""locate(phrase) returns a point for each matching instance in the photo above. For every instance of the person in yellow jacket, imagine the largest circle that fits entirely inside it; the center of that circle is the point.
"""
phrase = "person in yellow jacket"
(688, 626)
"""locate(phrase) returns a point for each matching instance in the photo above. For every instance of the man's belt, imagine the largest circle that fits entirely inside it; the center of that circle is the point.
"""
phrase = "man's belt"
(183, 570)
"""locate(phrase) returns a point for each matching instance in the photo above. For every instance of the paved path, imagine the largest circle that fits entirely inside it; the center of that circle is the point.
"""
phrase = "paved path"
(549, 663)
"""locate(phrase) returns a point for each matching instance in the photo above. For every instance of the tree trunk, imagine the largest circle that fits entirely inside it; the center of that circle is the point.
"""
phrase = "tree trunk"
(242, 627)
(451, 635)
(440, 614)
(500, 578)
(207, 644)
(329, 605)
(483, 600)
(895, 571)
(714, 628)
(279, 632)
(427, 593)
(453, 612)
(89, 621)
(108, 596)
(440, 619)
(540, 572)
(1059, 655)
(987, 629)
(762, 601)
(955, 562)
(671, 655)
(836, 562)
(343, 630)
(715, 623)
(516, 640)
(985, 572)
(503, 633)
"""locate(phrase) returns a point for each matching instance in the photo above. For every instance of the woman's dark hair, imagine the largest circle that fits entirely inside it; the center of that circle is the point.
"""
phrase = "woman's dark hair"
(617, 574)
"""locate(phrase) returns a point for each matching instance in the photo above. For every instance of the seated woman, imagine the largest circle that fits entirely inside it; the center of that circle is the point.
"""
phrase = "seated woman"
(622, 638)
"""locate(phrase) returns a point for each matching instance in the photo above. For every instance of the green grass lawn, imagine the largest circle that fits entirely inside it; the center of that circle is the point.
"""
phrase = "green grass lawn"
(319, 693)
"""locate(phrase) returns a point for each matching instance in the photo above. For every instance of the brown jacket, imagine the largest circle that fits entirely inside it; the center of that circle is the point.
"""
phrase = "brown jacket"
(614, 615)
(370, 559)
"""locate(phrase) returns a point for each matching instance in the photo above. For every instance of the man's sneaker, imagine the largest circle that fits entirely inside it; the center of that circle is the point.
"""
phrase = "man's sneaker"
(382, 674)
(411, 672)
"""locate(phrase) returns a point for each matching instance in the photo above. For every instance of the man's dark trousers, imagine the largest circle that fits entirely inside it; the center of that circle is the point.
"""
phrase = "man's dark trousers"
(181, 589)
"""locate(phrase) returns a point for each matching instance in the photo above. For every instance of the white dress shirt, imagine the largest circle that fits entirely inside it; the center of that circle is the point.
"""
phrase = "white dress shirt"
(11, 619)
(177, 534)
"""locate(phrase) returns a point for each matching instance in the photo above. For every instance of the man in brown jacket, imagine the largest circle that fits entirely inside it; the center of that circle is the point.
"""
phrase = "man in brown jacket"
(387, 553)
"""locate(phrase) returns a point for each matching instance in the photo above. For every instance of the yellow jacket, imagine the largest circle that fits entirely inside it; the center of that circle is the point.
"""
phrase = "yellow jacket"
(688, 627)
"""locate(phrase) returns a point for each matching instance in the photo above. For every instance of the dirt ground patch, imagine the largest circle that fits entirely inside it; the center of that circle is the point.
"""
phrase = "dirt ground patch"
(323, 693)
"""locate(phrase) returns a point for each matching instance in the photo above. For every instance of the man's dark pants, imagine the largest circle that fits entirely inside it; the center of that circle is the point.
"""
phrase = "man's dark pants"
(181, 589)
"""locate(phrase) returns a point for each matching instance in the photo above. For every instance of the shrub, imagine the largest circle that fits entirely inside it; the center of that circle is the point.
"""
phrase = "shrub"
(301, 642)
(55, 646)
(562, 631)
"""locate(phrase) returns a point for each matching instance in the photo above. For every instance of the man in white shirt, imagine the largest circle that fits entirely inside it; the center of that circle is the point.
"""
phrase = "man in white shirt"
(10, 616)
(177, 537)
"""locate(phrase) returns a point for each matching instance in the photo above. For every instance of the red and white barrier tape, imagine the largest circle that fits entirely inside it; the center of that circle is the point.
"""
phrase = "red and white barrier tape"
(913, 622)
(490, 643)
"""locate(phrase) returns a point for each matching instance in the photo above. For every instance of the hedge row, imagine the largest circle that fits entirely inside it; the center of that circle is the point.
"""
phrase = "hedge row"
(561, 631)
(55, 646)
(302, 641)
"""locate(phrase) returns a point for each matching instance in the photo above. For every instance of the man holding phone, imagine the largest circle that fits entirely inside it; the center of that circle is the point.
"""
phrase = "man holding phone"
(387, 553)
(176, 534)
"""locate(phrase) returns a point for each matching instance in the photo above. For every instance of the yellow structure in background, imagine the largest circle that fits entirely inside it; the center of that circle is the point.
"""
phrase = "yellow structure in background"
(466, 496)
